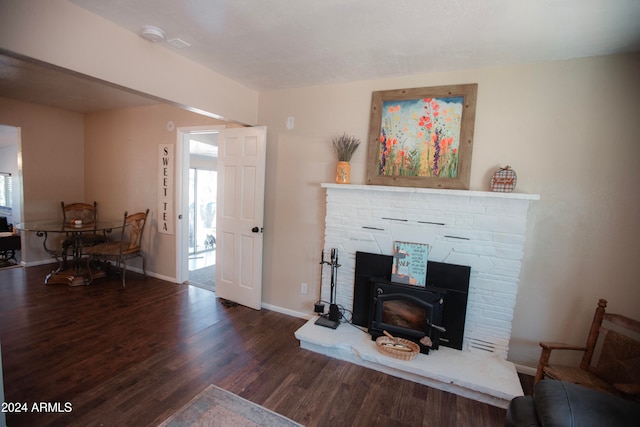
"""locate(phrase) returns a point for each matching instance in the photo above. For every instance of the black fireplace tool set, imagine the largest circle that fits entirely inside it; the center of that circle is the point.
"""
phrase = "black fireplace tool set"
(332, 319)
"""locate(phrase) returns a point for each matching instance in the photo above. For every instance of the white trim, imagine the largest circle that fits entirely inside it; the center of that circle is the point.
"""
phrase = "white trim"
(182, 198)
(527, 370)
(152, 274)
(286, 311)
(465, 193)
(36, 263)
(129, 268)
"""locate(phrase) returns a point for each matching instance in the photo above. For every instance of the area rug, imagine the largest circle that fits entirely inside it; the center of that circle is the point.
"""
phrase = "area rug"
(217, 407)
(204, 278)
(8, 263)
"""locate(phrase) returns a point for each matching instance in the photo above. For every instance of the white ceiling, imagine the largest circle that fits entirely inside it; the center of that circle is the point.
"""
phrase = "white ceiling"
(278, 44)
(42, 83)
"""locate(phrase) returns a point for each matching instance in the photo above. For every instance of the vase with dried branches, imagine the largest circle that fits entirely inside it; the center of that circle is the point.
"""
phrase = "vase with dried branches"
(344, 146)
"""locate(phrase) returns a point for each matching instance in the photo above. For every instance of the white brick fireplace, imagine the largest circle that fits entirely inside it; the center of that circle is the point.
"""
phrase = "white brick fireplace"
(483, 230)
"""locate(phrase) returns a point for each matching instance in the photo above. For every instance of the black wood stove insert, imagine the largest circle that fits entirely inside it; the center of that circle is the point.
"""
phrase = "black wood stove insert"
(406, 311)
(437, 310)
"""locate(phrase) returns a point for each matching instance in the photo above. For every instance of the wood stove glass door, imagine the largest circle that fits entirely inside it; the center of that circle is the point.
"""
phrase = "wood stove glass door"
(404, 314)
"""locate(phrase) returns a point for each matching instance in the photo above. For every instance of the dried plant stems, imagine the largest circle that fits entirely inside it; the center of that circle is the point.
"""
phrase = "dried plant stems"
(344, 146)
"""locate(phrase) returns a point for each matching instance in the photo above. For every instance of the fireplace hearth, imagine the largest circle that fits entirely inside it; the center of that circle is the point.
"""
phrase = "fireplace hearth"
(474, 375)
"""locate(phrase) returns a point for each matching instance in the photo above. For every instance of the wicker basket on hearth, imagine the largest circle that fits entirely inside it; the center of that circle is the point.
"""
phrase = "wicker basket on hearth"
(399, 348)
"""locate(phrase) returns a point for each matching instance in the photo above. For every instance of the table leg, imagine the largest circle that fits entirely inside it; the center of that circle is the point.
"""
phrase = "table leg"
(61, 276)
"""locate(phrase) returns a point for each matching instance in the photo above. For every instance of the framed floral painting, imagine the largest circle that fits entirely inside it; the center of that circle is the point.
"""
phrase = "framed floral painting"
(422, 137)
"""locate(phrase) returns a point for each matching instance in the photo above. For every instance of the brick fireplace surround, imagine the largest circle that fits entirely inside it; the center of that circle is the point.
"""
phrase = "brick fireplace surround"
(483, 230)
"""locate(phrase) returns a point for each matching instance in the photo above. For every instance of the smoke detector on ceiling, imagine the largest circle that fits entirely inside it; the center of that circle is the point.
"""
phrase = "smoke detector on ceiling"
(151, 33)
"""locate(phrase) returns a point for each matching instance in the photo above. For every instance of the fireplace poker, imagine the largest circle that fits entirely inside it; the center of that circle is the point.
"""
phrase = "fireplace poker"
(332, 320)
(334, 312)
(319, 306)
(334, 262)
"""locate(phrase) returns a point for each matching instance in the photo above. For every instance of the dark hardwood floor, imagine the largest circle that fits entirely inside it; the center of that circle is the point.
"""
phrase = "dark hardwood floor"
(132, 356)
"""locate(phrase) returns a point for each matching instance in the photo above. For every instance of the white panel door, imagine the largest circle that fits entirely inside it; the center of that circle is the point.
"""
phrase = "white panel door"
(239, 221)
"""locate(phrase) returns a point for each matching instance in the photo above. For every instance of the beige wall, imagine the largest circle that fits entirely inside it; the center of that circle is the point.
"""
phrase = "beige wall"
(63, 34)
(568, 128)
(52, 142)
(121, 160)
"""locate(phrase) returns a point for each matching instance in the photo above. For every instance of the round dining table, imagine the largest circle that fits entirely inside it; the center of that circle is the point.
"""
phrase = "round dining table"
(76, 275)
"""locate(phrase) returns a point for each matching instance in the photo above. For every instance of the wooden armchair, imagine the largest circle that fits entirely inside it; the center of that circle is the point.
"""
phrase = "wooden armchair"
(127, 247)
(615, 339)
(88, 214)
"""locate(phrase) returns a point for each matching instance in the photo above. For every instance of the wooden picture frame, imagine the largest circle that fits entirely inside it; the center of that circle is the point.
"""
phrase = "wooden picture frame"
(422, 137)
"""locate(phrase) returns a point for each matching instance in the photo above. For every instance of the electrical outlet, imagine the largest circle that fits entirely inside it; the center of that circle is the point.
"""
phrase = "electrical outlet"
(304, 288)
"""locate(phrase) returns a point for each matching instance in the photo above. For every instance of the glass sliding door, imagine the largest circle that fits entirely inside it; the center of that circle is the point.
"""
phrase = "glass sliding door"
(202, 210)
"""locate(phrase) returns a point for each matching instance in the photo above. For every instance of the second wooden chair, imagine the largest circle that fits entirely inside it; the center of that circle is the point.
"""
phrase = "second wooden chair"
(613, 347)
(127, 247)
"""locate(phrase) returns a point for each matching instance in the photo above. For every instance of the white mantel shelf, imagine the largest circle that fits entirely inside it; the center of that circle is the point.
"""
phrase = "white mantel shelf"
(464, 193)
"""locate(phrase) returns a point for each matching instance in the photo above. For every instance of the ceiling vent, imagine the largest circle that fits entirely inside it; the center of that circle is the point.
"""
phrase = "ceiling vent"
(178, 43)
(153, 34)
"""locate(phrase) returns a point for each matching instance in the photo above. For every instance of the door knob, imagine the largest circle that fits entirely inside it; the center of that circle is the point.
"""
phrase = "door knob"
(255, 229)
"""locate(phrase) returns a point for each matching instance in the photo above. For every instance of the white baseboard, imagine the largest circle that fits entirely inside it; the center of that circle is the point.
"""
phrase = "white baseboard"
(129, 268)
(527, 370)
(286, 311)
(36, 263)
(152, 274)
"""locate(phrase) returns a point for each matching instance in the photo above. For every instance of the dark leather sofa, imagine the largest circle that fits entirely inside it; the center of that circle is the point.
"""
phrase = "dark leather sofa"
(563, 404)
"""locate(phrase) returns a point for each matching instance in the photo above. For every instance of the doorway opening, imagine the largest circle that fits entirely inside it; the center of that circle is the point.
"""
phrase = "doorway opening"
(10, 194)
(202, 189)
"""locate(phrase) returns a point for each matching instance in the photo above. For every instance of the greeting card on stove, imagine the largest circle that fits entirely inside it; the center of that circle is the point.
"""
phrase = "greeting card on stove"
(410, 263)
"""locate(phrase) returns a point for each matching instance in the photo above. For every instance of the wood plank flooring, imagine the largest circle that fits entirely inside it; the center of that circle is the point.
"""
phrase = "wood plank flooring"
(132, 356)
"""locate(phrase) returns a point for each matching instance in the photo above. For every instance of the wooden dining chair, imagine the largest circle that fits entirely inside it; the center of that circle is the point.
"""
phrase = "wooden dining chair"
(610, 358)
(88, 214)
(127, 247)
